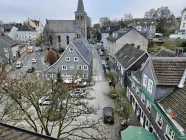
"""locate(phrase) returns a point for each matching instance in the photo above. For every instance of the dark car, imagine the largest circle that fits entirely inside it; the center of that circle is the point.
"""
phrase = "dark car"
(108, 115)
(31, 69)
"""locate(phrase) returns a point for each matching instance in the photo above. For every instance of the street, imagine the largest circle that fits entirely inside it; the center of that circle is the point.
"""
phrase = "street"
(98, 91)
(39, 65)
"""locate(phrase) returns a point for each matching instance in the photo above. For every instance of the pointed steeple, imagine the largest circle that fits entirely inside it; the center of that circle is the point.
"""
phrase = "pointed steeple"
(80, 8)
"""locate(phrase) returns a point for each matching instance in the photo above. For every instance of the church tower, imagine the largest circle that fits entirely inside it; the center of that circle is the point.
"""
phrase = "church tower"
(81, 17)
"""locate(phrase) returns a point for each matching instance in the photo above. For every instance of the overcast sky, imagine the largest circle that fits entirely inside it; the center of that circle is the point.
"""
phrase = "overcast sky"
(20, 10)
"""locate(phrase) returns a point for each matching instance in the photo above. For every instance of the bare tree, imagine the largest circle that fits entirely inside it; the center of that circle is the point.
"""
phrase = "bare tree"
(68, 114)
(113, 78)
(104, 21)
(151, 14)
(49, 36)
(1, 22)
(97, 26)
(128, 17)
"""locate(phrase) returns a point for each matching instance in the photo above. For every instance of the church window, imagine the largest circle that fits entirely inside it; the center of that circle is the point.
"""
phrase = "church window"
(67, 40)
(81, 17)
(59, 38)
(77, 17)
(51, 41)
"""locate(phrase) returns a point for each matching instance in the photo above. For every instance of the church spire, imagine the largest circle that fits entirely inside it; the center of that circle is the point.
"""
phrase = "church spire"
(80, 7)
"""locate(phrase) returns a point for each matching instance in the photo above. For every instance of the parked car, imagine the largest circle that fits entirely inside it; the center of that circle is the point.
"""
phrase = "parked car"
(19, 65)
(30, 69)
(103, 62)
(44, 101)
(77, 93)
(34, 60)
(101, 53)
(108, 115)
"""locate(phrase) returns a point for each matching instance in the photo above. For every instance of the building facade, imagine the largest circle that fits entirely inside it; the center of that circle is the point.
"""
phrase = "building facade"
(125, 36)
(35, 24)
(156, 93)
(26, 35)
(147, 27)
(9, 48)
(68, 30)
(183, 23)
(76, 59)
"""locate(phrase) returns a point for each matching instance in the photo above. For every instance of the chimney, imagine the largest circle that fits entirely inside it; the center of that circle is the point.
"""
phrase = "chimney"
(178, 51)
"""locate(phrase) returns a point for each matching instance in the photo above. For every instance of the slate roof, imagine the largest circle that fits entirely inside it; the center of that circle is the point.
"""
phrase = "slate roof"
(128, 55)
(66, 26)
(140, 21)
(26, 27)
(7, 26)
(113, 28)
(168, 70)
(84, 49)
(80, 8)
(8, 40)
(175, 102)
(120, 32)
(8, 132)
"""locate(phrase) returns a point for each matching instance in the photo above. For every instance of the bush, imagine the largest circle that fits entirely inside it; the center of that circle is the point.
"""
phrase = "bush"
(51, 57)
(61, 50)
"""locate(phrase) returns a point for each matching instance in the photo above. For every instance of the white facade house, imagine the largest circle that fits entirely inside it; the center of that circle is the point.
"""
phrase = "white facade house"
(13, 33)
(183, 20)
(36, 24)
(26, 35)
(9, 30)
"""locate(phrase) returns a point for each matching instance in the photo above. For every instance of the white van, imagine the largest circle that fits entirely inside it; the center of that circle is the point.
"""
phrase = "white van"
(19, 65)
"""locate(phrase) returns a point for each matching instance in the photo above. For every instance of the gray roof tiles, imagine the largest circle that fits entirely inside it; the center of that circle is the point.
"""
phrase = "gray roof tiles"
(80, 8)
(84, 49)
(128, 55)
(8, 40)
(26, 27)
(67, 26)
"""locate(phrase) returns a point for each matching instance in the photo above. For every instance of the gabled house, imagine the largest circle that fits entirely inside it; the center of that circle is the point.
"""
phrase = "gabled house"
(125, 36)
(156, 92)
(76, 59)
(27, 35)
(128, 59)
(10, 30)
(9, 48)
(147, 27)
(108, 30)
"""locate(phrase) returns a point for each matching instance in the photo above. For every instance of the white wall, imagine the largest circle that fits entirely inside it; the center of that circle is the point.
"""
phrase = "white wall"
(15, 49)
(104, 39)
(26, 36)
(183, 20)
(13, 33)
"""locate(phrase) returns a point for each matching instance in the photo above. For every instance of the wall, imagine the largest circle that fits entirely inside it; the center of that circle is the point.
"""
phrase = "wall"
(58, 66)
(13, 33)
(15, 49)
(26, 36)
(132, 37)
(183, 21)
(63, 39)
(104, 40)
(2, 52)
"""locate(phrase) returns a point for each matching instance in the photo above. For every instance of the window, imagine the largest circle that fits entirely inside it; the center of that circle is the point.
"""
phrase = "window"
(51, 41)
(85, 67)
(76, 59)
(137, 90)
(67, 40)
(67, 58)
(81, 17)
(29, 36)
(144, 80)
(64, 67)
(6, 49)
(59, 38)
(71, 49)
(77, 17)
(79, 67)
(183, 25)
(143, 98)
(138, 47)
(169, 134)
(133, 86)
(148, 105)
(159, 120)
(85, 75)
(150, 85)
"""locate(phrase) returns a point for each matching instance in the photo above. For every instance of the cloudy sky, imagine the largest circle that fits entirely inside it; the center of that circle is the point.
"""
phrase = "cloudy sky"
(20, 10)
